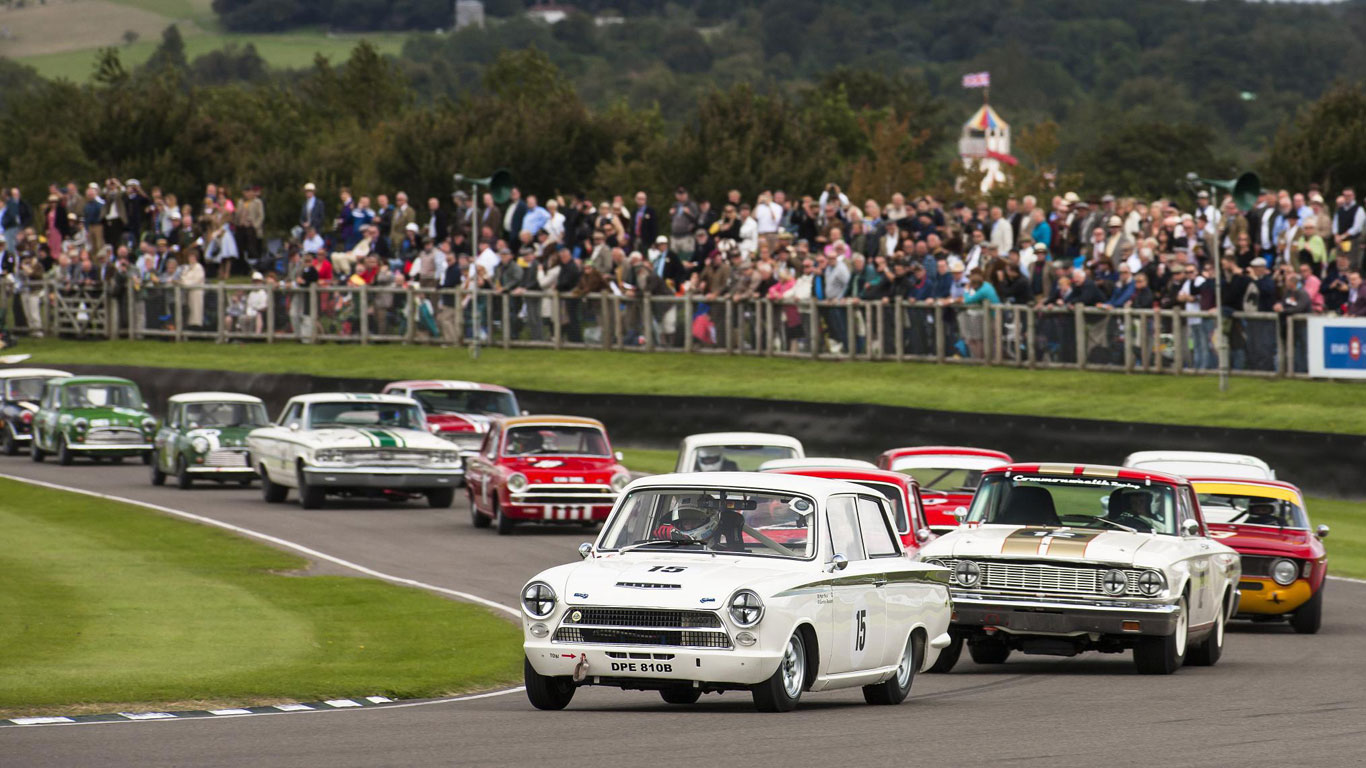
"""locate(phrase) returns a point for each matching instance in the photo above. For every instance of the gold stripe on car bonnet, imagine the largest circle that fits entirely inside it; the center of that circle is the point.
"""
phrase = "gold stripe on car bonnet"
(1057, 469)
(1100, 472)
(1024, 541)
(1070, 543)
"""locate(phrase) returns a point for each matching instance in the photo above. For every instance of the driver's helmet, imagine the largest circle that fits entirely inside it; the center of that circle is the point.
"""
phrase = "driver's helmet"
(527, 441)
(692, 522)
(194, 414)
(1262, 513)
(1128, 501)
(708, 459)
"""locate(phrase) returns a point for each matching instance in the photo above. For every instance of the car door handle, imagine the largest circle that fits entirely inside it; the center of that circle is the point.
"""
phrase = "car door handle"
(879, 581)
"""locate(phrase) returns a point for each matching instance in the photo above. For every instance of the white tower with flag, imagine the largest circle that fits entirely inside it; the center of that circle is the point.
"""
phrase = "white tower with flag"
(985, 141)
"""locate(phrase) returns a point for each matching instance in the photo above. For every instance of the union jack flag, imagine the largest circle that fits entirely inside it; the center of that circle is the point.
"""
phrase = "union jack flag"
(977, 80)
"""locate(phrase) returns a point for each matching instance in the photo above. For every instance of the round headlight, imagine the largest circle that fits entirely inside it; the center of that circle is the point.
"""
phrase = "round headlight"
(1151, 583)
(80, 425)
(200, 444)
(538, 599)
(149, 424)
(1114, 582)
(1284, 572)
(327, 456)
(619, 482)
(967, 573)
(746, 609)
(516, 482)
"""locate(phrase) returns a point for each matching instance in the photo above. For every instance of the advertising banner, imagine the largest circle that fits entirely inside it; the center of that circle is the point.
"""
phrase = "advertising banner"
(1337, 347)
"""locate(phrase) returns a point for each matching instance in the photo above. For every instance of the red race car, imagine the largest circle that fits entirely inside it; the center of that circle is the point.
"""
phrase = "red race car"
(1284, 562)
(948, 476)
(459, 411)
(901, 491)
(546, 469)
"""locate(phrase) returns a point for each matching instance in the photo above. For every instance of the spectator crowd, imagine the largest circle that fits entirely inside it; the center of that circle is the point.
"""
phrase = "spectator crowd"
(1291, 254)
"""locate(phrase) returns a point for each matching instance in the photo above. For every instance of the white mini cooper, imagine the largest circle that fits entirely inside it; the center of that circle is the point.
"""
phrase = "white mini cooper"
(728, 581)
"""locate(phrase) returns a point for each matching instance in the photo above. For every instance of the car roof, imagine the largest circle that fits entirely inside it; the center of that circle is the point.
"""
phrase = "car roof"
(818, 461)
(1099, 471)
(96, 380)
(739, 438)
(332, 397)
(756, 481)
(551, 420)
(1213, 457)
(945, 450)
(446, 384)
(212, 397)
(1245, 481)
(851, 474)
(31, 373)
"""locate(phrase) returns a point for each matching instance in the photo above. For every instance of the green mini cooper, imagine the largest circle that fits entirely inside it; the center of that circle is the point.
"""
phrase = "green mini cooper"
(97, 416)
(204, 437)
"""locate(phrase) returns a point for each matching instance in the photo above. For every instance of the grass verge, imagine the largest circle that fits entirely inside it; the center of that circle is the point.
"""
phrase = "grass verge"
(1316, 406)
(108, 603)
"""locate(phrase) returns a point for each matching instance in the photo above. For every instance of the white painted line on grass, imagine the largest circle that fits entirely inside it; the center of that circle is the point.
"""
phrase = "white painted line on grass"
(230, 712)
(146, 715)
(41, 721)
(340, 703)
(293, 707)
(285, 543)
(378, 699)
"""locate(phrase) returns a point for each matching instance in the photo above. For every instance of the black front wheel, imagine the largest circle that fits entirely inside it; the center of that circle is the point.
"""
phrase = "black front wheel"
(948, 657)
(36, 454)
(146, 457)
(272, 492)
(544, 691)
(158, 477)
(183, 480)
(441, 498)
(505, 523)
(683, 694)
(64, 455)
(782, 691)
(989, 651)
(310, 496)
(9, 446)
(1309, 617)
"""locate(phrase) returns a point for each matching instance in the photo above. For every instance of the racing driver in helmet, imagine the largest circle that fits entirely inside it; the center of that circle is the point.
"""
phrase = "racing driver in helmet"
(711, 460)
(703, 520)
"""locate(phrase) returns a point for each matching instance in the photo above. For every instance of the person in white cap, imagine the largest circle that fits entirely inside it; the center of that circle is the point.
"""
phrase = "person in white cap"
(1209, 210)
(314, 213)
(257, 300)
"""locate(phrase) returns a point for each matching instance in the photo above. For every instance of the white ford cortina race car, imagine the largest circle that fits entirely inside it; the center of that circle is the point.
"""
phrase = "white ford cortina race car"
(707, 582)
(355, 445)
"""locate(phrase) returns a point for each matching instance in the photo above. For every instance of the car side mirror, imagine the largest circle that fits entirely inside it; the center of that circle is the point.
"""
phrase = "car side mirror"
(194, 425)
(586, 550)
(619, 456)
(293, 426)
(525, 412)
(923, 535)
(838, 563)
(146, 406)
(1321, 531)
(1190, 527)
(961, 513)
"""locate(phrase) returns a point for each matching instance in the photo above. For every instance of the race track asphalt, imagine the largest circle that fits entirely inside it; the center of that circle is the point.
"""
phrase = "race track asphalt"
(1275, 699)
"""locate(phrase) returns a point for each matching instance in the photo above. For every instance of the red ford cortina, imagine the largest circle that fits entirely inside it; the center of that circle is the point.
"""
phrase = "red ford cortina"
(545, 469)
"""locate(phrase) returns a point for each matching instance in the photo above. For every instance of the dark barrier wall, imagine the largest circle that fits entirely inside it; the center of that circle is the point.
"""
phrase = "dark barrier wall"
(1320, 463)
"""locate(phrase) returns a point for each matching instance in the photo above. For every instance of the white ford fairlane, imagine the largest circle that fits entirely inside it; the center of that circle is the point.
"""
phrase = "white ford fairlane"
(728, 581)
(354, 445)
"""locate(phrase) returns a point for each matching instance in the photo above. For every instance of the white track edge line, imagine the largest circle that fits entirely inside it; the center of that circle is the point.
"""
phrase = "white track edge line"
(1348, 579)
(285, 543)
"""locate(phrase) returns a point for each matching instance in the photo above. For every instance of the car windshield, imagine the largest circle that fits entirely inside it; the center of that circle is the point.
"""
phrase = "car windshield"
(737, 458)
(555, 440)
(101, 396)
(466, 401)
(365, 414)
(946, 479)
(225, 415)
(1056, 501)
(1249, 508)
(708, 520)
(24, 389)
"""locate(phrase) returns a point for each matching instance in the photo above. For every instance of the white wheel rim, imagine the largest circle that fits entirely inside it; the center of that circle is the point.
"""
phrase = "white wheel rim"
(1219, 629)
(794, 667)
(1181, 631)
(903, 672)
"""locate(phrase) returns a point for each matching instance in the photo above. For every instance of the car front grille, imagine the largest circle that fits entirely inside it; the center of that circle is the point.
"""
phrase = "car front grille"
(566, 494)
(227, 457)
(1041, 577)
(114, 436)
(388, 457)
(1258, 566)
(641, 626)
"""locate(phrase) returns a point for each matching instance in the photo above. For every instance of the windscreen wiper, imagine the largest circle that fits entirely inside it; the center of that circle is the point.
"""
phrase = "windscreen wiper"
(669, 542)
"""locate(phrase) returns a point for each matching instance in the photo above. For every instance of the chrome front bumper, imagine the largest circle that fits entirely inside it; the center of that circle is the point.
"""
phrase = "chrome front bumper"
(109, 448)
(385, 478)
(1062, 616)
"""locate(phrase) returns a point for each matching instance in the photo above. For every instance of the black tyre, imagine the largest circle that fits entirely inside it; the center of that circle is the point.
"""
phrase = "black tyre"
(119, 460)
(146, 457)
(183, 480)
(545, 692)
(270, 491)
(8, 446)
(310, 497)
(683, 694)
(158, 477)
(1309, 617)
(1163, 655)
(895, 689)
(1207, 653)
(988, 651)
(64, 455)
(36, 454)
(505, 523)
(782, 691)
(441, 498)
(477, 518)
(947, 657)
